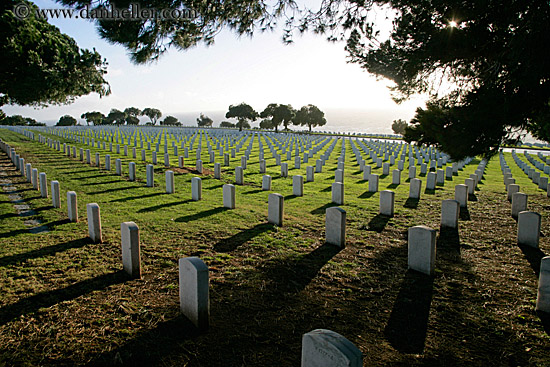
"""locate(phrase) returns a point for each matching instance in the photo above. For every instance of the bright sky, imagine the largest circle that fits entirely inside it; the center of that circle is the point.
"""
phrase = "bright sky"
(258, 71)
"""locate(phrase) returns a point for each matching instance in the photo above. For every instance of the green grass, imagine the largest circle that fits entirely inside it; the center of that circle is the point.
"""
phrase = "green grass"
(64, 300)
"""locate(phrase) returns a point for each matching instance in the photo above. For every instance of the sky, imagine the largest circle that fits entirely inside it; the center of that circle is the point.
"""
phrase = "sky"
(258, 71)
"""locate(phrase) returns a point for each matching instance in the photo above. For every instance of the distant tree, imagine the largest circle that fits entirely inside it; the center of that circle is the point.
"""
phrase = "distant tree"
(132, 114)
(204, 121)
(66, 120)
(153, 114)
(18, 120)
(39, 65)
(226, 124)
(94, 117)
(170, 120)
(266, 124)
(116, 117)
(310, 116)
(242, 113)
(399, 126)
(279, 113)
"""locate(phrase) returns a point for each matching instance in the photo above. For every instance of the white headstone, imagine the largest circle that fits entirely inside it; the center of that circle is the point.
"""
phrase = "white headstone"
(150, 171)
(132, 171)
(56, 200)
(461, 195)
(325, 348)
(298, 185)
(415, 186)
(387, 198)
(94, 222)
(450, 211)
(228, 196)
(543, 293)
(266, 182)
(529, 228)
(196, 188)
(131, 260)
(43, 185)
(275, 209)
(421, 249)
(170, 184)
(193, 291)
(310, 174)
(338, 193)
(72, 208)
(373, 183)
(519, 203)
(239, 175)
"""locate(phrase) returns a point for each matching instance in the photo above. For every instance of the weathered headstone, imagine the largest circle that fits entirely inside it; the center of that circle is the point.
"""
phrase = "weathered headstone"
(415, 186)
(529, 228)
(131, 259)
(450, 211)
(519, 203)
(325, 348)
(421, 249)
(387, 198)
(266, 182)
(512, 189)
(430, 181)
(132, 171)
(229, 196)
(239, 175)
(150, 172)
(196, 188)
(275, 209)
(170, 184)
(94, 222)
(193, 291)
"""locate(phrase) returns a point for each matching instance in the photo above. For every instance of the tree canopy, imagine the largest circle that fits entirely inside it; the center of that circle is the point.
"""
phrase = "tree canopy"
(18, 120)
(170, 120)
(66, 120)
(153, 114)
(279, 113)
(399, 126)
(39, 65)
(242, 113)
(227, 124)
(204, 121)
(483, 64)
(310, 116)
(96, 118)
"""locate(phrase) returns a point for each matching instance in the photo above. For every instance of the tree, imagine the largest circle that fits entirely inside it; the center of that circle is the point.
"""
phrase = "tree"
(227, 124)
(399, 126)
(18, 120)
(66, 120)
(132, 114)
(116, 117)
(310, 116)
(170, 120)
(204, 121)
(279, 113)
(39, 65)
(94, 117)
(242, 113)
(266, 124)
(153, 114)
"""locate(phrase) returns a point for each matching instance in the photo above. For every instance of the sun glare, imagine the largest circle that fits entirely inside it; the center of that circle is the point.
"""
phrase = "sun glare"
(453, 24)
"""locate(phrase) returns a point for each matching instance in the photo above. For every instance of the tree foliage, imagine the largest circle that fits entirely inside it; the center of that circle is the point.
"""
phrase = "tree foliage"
(116, 117)
(18, 120)
(266, 124)
(398, 126)
(66, 120)
(39, 65)
(204, 121)
(132, 114)
(227, 124)
(153, 114)
(96, 118)
(310, 116)
(242, 113)
(279, 113)
(170, 120)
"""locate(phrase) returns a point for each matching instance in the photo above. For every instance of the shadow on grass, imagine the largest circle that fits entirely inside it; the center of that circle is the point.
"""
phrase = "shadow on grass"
(231, 243)
(367, 194)
(545, 321)
(203, 214)
(101, 183)
(162, 206)
(123, 200)
(408, 323)
(292, 274)
(411, 203)
(378, 223)
(50, 298)
(44, 251)
(429, 192)
(327, 189)
(448, 240)
(213, 187)
(472, 197)
(322, 209)
(533, 256)
(290, 197)
(15, 232)
(392, 186)
(111, 190)
(252, 192)
(464, 214)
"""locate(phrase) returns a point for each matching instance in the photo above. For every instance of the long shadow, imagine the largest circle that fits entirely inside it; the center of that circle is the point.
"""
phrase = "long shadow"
(44, 251)
(80, 171)
(231, 243)
(101, 183)
(411, 203)
(162, 206)
(464, 214)
(203, 214)
(293, 274)
(327, 189)
(408, 323)
(290, 197)
(13, 233)
(323, 209)
(472, 197)
(252, 192)
(50, 298)
(545, 320)
(533, 256)
(367, 194)
(214, 187)
(392, 186)
(378, 223)
(429, 192)
(111, 190)
(107, 173)
(8, 215)
(123, 200)
(448, 241)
